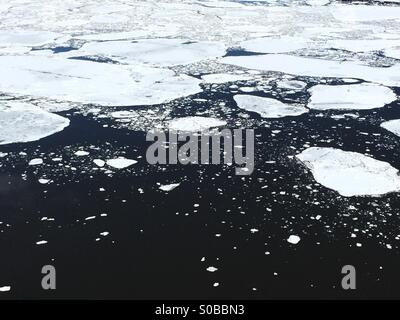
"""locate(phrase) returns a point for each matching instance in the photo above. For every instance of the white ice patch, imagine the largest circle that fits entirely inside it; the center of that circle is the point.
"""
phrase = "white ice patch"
(35, 162)
(194, 124)
(350, 173)
(91, 82)
(362, 45)
(121, 163)
(356, 96)
(392, 126)
(274, 45)
(81, 153)
(26, 38)
(349, 13)
(313, 67)
(155, 52)
(27, 123)
(224, 77)
(293, 239)
(169, 187)
(291, 84)
(393, 53)
(98, 162)
(5, 288)
(268, 107)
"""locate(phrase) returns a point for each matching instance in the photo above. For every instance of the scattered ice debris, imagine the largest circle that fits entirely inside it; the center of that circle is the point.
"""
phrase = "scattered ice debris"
(195, 124)
(333, 167)
(392, 126)
(293, 239)
(5, 288)
(35, 162)
(81, 153)
(268, 107)
(121, 163)
(3, 154)
(169, 187)
(24, 123)
(41, 242)
(212, 269)
(90, 82)
(356, 96)
(98, 162)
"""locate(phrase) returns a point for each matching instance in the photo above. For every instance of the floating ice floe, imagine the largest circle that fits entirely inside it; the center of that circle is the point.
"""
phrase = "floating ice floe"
(225, 77)
(195, 124)
(98, 162)
(392, 126)
(349, 13)
(356, 96)
(155, 52)
(350, 173)
(27, 123)
(35, 162)
(92, 82)
(169, 187)
(313, 67)
(274, 45)
(121, 163)
(362, 45)
(268, 107)
(81, 153)
(5, 288)
(291, 84)
(26, 38)
(393, 53)
(293, 239)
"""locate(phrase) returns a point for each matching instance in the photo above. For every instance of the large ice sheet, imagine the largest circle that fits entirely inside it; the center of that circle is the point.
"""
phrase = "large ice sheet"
(24, 123)
(332, 168)
(314, 67)
(91, 82)
(268, 107)
(274, 44)
(156, 52)
(26, 38)
(392, 126)
(356, 96)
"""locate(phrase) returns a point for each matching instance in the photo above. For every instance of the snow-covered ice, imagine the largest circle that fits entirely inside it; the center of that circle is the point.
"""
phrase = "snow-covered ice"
(91, 82)
(194, 124)
(332, 168)
(120, 163)
(274, 45)
(169, 187)
(155, 52)
(27, 123)
(392, 126)
(293, 239)
(268, 107)
(315, 67)
(356, 96)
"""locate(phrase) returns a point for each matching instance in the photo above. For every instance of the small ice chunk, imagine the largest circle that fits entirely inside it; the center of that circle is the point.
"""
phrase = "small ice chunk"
(268, 107)
(41, 242)
(98, 162)
(169, 187)
(81, 153)
(44, 181)
(121, 163)
(212, 269)
(293, 239)
(35, 162)
(5, 288)
(194, 124)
